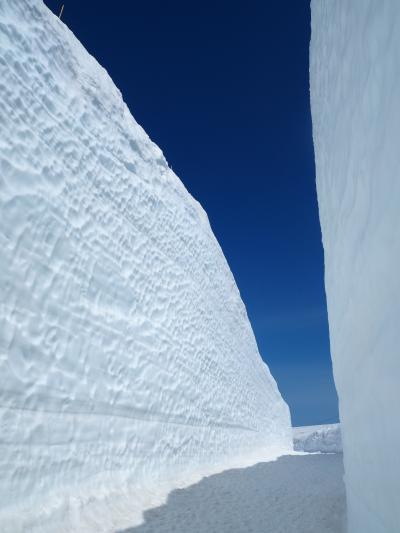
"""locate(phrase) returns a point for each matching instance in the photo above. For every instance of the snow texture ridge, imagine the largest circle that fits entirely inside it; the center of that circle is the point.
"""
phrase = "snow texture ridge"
(324, 438)
(126, 353)
(355, 84)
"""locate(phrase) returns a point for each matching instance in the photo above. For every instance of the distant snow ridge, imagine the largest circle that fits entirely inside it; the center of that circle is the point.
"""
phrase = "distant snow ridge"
(324, 438)
(355, 87)
(126, 354)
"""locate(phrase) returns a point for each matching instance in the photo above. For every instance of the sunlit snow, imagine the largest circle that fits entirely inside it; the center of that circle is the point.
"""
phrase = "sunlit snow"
(127, 362)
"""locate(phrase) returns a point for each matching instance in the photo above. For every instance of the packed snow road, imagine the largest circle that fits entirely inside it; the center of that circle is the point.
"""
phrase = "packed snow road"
(295, 494)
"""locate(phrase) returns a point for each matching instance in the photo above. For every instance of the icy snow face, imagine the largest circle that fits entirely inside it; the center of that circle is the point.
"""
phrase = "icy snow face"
(355, 83)
(124, 345)
(324, 438)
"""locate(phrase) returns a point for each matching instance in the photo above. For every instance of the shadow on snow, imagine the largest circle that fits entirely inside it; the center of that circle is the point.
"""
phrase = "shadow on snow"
(295, 494)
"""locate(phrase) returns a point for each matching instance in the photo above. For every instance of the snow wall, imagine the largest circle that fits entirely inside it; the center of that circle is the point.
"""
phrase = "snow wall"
(324, 438)
(355, 87)
(126, 354)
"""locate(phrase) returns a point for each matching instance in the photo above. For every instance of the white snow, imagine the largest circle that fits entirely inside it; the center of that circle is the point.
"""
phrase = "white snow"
(324, 438)
(127, 362)
(295, 494)
(355, 87)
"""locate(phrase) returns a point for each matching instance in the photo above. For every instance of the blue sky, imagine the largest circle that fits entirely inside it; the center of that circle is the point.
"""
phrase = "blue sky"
(222, 87)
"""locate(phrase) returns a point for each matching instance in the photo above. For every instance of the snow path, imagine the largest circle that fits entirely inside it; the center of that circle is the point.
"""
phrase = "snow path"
(295, 494)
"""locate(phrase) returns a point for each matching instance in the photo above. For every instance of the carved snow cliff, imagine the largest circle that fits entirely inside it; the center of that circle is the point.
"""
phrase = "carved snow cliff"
(126, 355)
(324, 438)
(355, 84)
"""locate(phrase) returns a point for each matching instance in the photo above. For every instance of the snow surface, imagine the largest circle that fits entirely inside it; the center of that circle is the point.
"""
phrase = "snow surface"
(355, 87)
(324, 438)
(127, 361)
(295, 494)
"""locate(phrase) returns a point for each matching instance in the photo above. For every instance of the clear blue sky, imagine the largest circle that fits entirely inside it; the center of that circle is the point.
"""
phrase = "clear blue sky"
(222, 87)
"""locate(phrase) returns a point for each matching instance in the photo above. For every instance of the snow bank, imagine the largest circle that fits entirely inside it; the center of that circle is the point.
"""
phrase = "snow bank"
(355, 84)
(324, 438)
(126, 355)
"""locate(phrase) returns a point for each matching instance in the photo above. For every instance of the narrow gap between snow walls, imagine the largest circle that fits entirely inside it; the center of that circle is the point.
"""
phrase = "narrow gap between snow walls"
(128, 366)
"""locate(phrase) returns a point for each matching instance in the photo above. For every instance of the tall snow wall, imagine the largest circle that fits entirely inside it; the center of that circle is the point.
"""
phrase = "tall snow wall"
(355, 87)
(126, 354)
